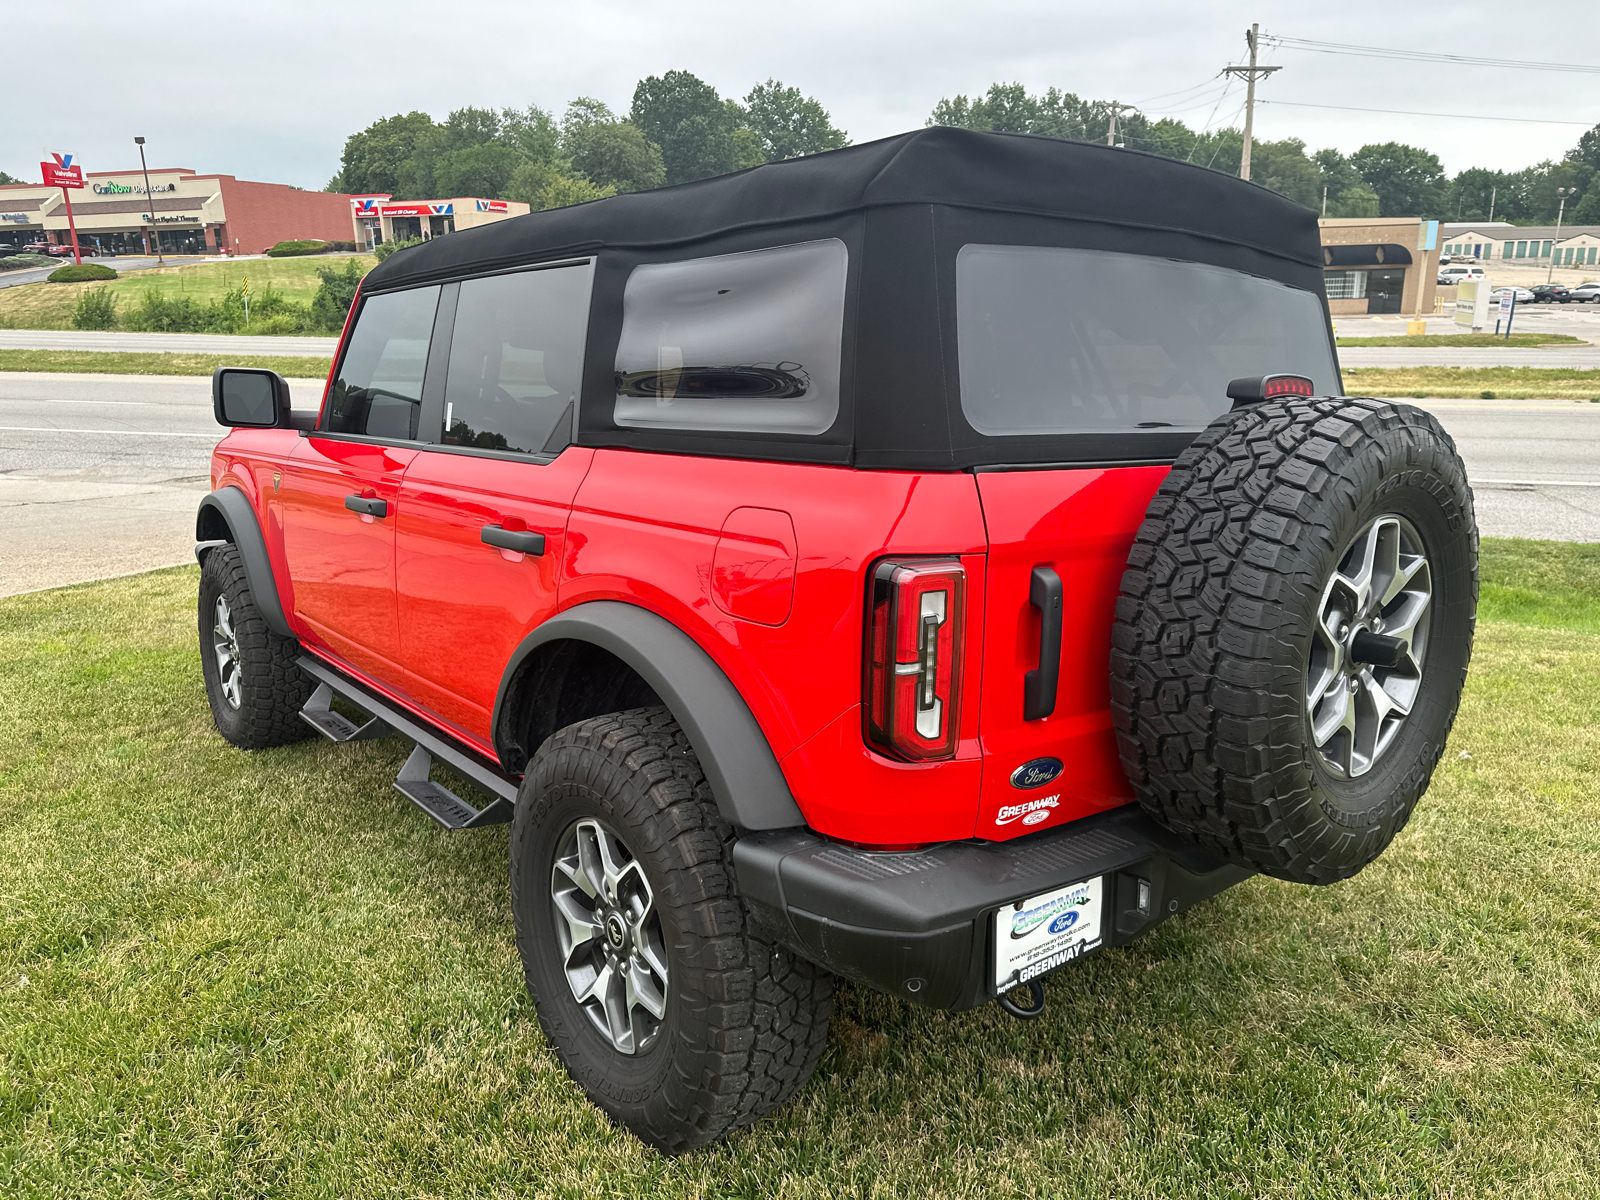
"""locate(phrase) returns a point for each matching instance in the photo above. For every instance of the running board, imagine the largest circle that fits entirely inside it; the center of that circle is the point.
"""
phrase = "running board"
(413, 783)
(336, 727)
(439, 802)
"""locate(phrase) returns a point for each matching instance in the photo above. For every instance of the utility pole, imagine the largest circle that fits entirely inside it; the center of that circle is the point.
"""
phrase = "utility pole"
(1560, 212)
(1116, 109)
(155, 231)
(1493, 191)
(1251, 74)
(1324, 200)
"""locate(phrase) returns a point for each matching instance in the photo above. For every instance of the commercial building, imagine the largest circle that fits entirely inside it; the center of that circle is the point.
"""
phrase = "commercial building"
(1379, 264)
(1524, 245)
(378, 219)
(192, 213)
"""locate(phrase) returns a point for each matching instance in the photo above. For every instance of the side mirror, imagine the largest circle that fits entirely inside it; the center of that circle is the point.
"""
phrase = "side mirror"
(248, 398)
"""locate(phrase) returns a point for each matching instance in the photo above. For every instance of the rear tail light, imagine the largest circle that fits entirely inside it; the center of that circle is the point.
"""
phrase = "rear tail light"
(1255, 388)
(916, 613)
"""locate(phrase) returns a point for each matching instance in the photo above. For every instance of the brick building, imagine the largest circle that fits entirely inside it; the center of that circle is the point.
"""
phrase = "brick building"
(192, 213)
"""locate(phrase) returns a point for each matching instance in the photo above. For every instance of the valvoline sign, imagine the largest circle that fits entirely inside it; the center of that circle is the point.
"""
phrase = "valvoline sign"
(418, 210)
(492, 206)
(61, 173)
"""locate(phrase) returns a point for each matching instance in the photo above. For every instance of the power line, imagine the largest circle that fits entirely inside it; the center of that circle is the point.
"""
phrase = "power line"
(1463, 60)
(1181, 91)
(1405, 112)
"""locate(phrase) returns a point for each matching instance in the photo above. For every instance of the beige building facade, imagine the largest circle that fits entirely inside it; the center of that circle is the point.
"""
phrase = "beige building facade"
(377, 218)
(1379, 265)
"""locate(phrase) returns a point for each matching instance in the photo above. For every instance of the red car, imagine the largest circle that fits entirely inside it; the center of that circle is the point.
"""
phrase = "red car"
(927, 563)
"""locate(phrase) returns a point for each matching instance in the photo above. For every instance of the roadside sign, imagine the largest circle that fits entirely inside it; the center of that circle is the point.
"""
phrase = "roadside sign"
(63, 173)
(1472, 304)
(1507, 299)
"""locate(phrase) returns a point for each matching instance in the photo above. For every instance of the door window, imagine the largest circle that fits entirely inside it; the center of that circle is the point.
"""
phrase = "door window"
(378, 391)
(516, 360)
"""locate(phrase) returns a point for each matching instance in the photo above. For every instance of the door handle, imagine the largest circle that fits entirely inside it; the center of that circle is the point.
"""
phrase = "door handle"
(1039, 685)
(368, 505)
(521, 540)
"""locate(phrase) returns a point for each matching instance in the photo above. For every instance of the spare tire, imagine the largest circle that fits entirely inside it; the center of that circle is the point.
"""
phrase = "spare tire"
(1293, 632)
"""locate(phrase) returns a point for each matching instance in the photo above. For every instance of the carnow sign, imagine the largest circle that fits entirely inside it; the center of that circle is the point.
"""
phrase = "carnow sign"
(62, 173)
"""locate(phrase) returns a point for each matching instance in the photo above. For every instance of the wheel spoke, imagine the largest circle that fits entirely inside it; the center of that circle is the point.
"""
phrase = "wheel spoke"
(643, 993)
(577, 875)
(611, 865)
(583, 931)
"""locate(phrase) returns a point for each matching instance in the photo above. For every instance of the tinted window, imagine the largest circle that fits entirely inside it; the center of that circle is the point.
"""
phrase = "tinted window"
(378, 391)
(1058, 341)
(516, 360)
(740, 342)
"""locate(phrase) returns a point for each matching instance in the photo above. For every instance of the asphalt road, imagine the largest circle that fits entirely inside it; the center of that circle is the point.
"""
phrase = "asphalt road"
(100, 474)
(165, 343)
(39, 274)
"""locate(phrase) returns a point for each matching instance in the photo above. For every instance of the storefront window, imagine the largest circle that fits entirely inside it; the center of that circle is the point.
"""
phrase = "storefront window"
(1346, 285)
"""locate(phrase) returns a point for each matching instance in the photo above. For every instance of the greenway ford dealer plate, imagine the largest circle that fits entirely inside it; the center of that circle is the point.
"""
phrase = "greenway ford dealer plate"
(1041, 933)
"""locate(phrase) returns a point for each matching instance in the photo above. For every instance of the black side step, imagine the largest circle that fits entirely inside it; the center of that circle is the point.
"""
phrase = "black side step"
(413, 783)
(318, 713)
(439, 802)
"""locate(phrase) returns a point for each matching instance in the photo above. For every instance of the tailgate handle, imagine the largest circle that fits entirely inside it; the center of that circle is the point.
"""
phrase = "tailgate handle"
(512, 539)
(1039, 686)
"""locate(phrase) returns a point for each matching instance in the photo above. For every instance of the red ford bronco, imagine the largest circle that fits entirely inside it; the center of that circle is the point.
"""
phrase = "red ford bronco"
(927, 563)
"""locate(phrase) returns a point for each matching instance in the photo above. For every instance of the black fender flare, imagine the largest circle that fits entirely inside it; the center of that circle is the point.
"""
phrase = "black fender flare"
(238, 515)
(744, 775)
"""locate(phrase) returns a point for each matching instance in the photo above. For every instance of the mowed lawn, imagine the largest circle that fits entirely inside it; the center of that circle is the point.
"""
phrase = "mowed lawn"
(238, 975)
(50, 305)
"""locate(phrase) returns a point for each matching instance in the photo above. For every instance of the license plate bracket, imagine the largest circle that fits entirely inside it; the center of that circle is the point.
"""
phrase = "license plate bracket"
(1040, 933)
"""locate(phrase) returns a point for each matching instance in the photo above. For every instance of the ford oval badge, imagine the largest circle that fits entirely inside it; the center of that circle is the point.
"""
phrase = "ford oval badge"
(1036, 773)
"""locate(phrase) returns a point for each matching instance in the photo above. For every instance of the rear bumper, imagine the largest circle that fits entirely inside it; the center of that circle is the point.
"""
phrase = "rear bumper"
(918, 925)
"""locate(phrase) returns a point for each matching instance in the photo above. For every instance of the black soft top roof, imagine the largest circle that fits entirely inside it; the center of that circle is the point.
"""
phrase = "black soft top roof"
(958, 168)
(903, 207)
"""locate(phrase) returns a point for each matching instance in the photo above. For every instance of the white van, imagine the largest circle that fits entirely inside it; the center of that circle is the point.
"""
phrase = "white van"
(1449, 275)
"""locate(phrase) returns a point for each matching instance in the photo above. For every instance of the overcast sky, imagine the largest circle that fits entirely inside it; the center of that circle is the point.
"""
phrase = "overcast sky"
(270, 91)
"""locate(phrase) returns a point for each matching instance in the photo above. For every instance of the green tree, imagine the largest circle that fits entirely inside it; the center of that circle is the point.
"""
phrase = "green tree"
(532, 132)
(1409, 181)
(1285, 167)
(547, 185)
(337, 291)
(608, 151)
(483, 170)
(692, 125)
(788, 123)
(374, 159)
(5, 179)
(1008, 108)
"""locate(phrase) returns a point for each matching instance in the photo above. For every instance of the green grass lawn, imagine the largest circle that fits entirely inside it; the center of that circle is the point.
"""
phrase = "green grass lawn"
(1489, 383)
(50, 305)
(1467, 339)
(290, 366)
(237, 975)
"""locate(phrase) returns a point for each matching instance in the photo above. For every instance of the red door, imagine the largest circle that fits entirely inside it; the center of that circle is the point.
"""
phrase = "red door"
(465, 604)
(342, 559)
(1053, 534)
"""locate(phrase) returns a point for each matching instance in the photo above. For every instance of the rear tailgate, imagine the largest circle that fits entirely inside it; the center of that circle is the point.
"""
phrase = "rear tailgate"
(1079, 525)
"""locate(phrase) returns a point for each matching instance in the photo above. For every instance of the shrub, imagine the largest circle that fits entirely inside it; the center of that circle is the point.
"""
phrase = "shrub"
(341, 247)
(290, 249)
(170, 314)
(331, 304)
(96, 309)
(1486, 395)
(383, 249)
(81, 273)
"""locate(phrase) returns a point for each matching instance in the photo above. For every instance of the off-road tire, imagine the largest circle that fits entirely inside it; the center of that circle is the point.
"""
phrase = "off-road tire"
(1214, 625)
(745, 1021)
(273, 689)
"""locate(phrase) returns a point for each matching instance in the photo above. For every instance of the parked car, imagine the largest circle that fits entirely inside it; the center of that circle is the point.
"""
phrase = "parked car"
(725, 539)
(39, 247)
(1550, 293)
(1458, 274)
(1522, 294)
(1586, 291)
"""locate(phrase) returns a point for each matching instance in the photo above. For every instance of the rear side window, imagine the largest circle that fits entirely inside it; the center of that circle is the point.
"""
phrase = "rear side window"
(516, 360)
(378, 391)
(745, 343)
(1057, 341)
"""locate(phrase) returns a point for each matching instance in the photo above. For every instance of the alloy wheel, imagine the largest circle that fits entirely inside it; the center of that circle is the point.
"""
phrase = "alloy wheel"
(611, 946)
(225, 644)
(1369, 645)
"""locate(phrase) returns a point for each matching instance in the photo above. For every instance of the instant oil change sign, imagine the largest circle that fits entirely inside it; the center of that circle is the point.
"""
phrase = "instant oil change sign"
(1044, 932)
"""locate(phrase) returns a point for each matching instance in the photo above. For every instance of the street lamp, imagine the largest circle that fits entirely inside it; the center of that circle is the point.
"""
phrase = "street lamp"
(155, 232)
(1560, 212)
